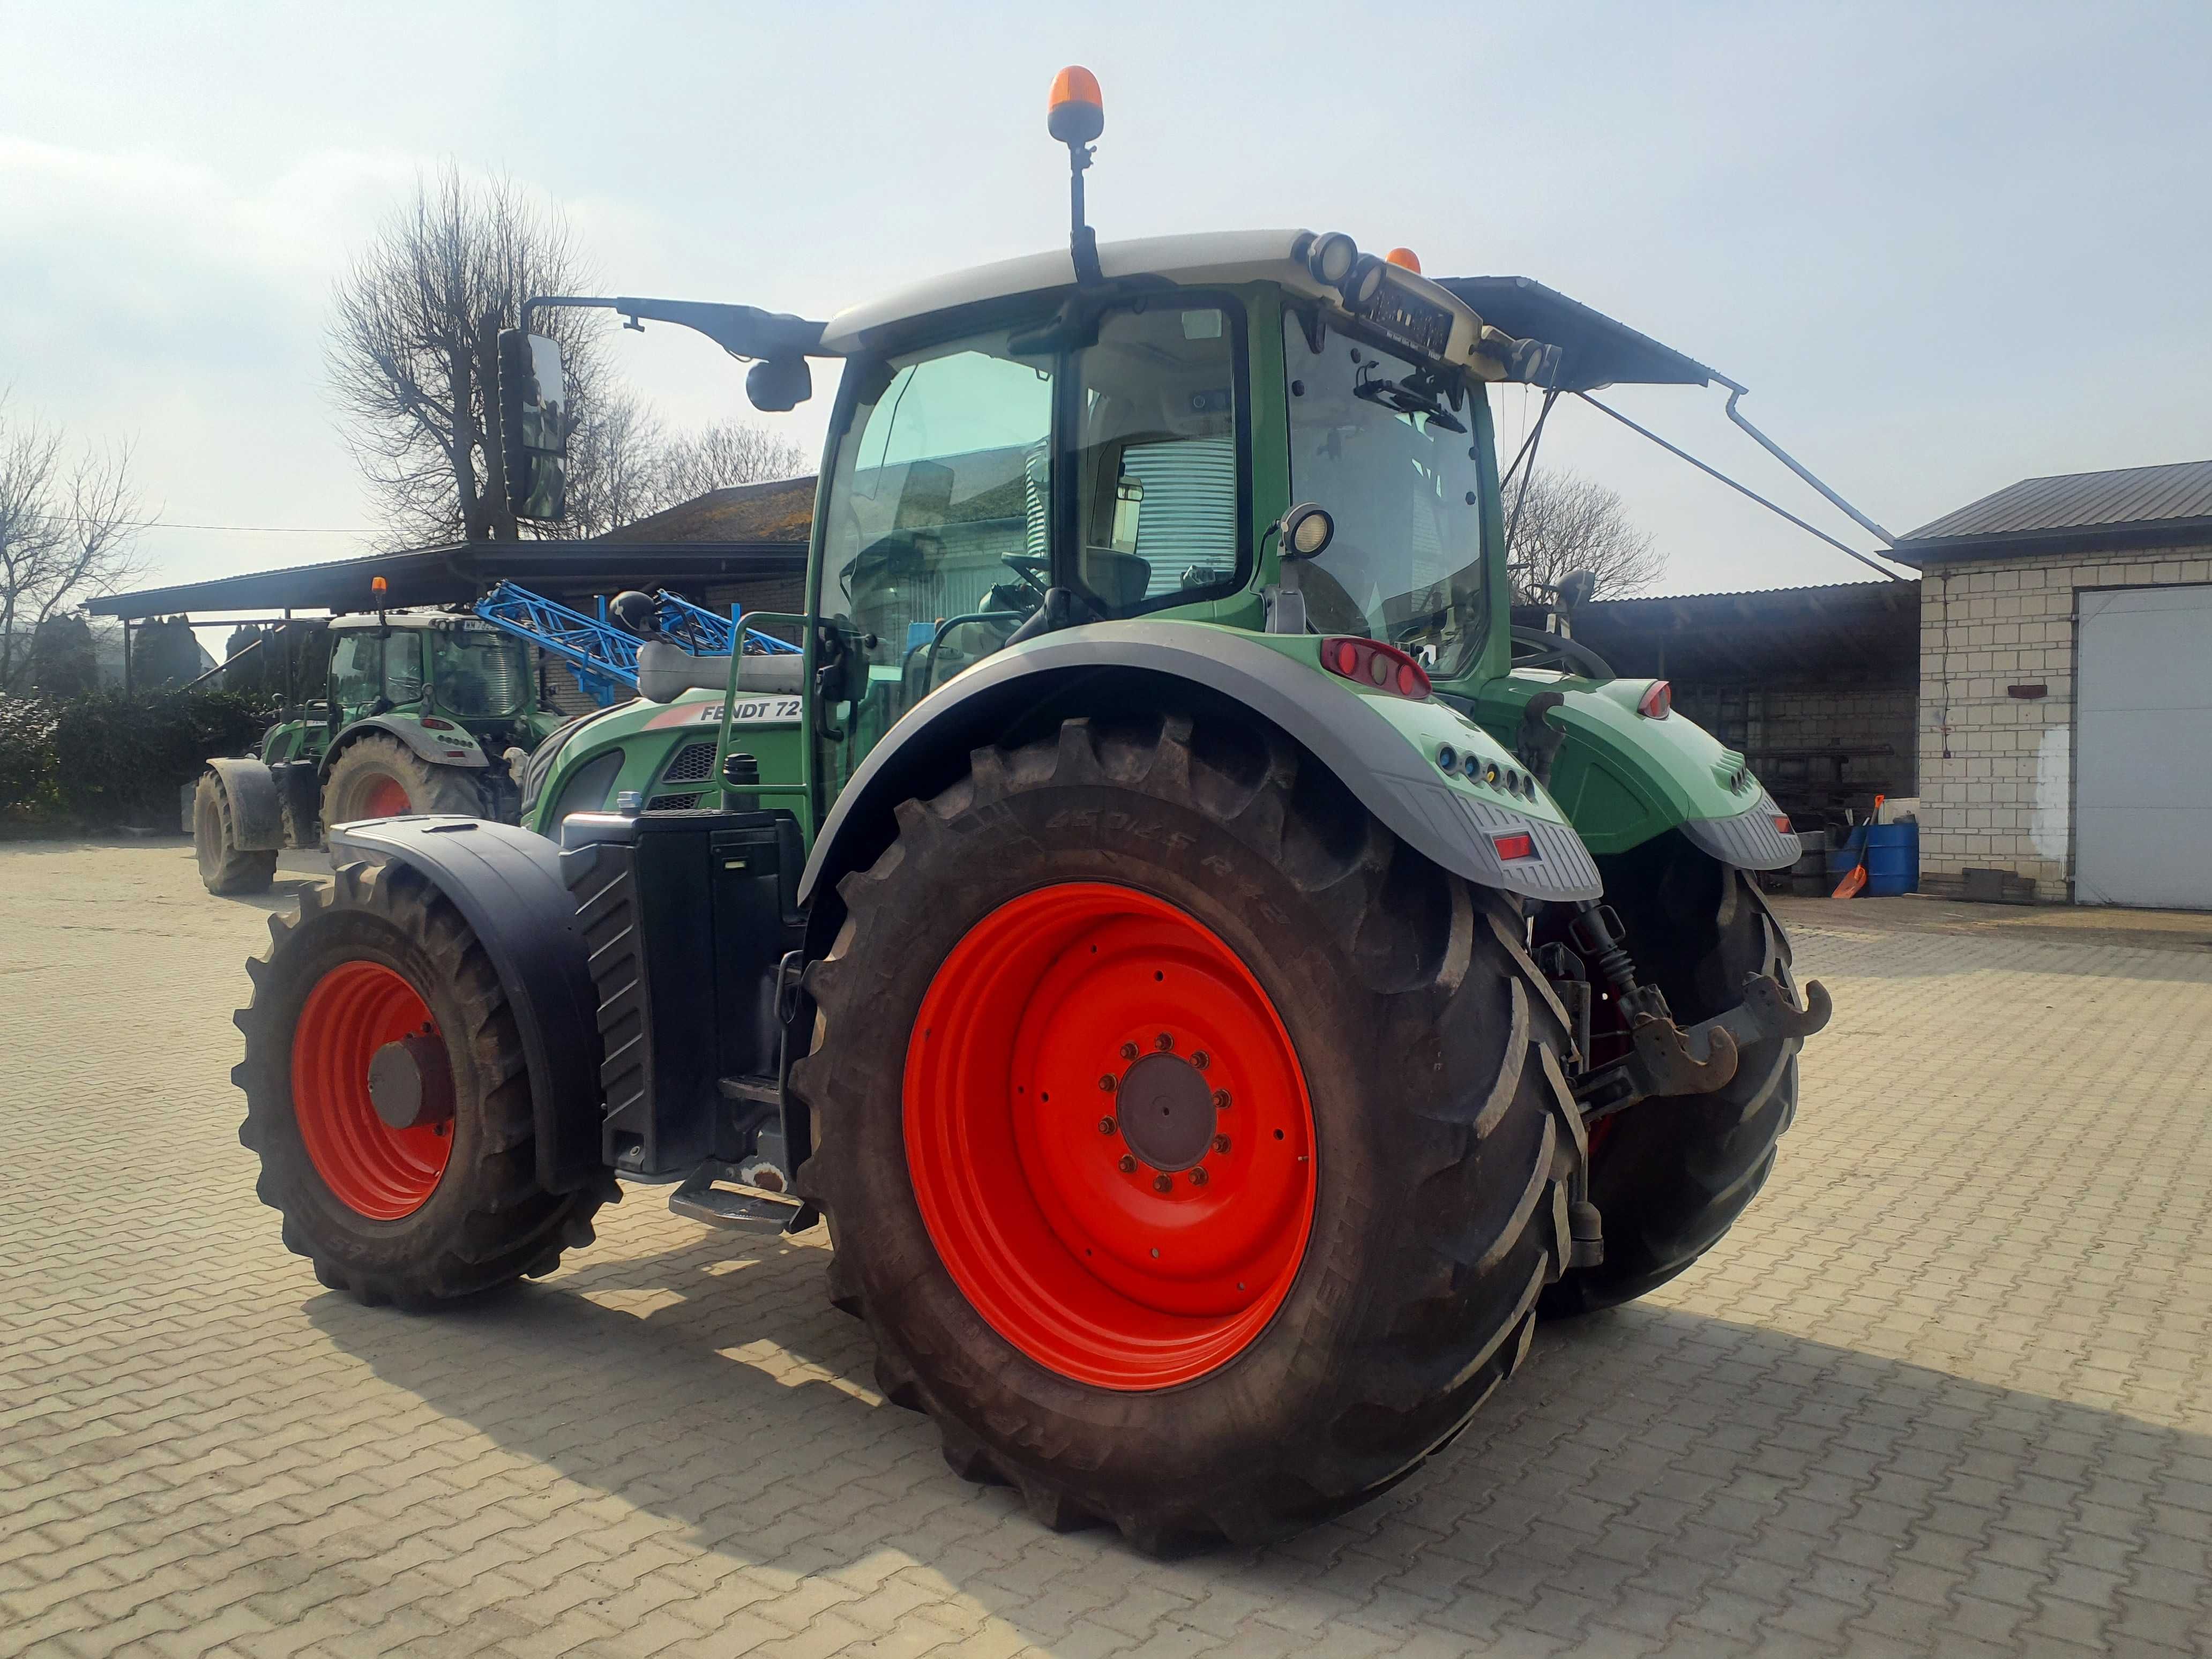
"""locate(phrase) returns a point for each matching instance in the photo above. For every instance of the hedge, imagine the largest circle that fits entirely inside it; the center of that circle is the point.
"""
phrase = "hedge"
(111, 761)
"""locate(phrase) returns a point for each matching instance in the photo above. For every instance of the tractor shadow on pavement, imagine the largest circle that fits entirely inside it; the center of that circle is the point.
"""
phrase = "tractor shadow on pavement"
(1653, 1471)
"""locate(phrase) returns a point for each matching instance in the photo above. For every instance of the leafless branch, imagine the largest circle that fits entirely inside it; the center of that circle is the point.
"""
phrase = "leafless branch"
(67, 532)
(1568, 523)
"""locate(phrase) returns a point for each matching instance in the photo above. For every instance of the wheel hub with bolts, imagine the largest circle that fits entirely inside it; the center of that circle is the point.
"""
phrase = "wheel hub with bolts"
(1167, 1113)
(1065, 1091)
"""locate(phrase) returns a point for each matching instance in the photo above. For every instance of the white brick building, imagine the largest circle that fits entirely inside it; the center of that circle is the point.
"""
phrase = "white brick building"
(2066, 688)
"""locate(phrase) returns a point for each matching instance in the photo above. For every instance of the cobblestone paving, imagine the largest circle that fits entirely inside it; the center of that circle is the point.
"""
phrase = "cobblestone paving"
(1944, 1391)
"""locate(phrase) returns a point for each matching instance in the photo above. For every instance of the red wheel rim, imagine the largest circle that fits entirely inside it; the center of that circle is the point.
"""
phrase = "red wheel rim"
(1031, 1185)
(386, 798)
(371, 1168)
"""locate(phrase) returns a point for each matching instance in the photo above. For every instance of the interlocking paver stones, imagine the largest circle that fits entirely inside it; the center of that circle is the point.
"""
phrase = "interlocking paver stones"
(1947, 1389)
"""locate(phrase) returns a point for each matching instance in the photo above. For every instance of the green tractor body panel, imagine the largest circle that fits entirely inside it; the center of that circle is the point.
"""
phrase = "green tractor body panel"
(1622, 778)
(670, 755)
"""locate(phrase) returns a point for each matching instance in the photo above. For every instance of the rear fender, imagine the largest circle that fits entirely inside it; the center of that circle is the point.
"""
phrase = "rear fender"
(257, 809)
(1390, 766)
(507, 882)
(451, 748)
(1622, 778)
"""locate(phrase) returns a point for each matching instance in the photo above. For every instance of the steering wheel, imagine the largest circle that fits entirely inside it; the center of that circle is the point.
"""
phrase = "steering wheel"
(1534, 648)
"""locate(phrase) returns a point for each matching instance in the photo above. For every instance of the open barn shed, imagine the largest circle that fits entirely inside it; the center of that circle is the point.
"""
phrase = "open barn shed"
(1818, 686)
(743, 546)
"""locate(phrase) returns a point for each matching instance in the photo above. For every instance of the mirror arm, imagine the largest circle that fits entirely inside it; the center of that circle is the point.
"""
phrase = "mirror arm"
(742, 330)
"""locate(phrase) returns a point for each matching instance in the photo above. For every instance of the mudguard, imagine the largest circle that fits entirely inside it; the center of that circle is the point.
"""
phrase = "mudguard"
(454, 748)
(257, 809)
(1623, 777)
(507, 882)
(1394, 778)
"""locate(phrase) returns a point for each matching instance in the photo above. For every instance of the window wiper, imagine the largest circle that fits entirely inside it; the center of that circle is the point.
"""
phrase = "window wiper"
(1404, 398)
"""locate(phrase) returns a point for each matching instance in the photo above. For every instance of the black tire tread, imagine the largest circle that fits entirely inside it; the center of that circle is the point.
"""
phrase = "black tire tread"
(512, 1227)
(430, 787)
(230, 871)
(1693, 1182)
(1462, 1319)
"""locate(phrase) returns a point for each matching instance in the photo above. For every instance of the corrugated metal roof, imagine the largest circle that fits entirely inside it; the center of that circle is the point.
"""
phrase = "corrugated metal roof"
(2081, 500)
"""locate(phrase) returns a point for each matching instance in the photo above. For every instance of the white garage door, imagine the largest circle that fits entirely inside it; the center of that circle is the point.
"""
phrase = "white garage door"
(2142, 749)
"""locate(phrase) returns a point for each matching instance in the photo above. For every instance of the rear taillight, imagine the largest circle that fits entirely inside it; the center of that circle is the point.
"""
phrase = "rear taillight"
(1783, 824)
(1658, 702)
(1510, 848)
(1378, 666)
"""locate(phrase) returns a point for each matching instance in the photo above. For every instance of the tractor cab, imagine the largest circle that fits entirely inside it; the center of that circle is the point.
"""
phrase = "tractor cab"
(1015, 452)
(432, 666)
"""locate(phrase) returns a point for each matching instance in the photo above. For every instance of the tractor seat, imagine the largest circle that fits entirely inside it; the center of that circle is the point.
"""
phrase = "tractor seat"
(1121, 579)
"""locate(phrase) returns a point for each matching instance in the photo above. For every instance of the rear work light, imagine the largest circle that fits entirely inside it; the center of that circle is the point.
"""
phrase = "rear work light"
(1510, 848)
(1658, 702)
(1373, 664)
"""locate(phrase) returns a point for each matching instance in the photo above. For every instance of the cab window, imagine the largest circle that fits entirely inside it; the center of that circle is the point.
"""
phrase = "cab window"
(1158, 456)
(356, 673)
(403, 667)
(935, 545)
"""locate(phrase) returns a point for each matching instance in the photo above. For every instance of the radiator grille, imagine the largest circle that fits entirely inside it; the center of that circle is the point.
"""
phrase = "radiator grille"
(693, 763)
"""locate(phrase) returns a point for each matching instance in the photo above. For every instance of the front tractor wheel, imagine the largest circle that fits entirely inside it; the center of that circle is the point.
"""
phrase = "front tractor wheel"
(377, 777)
(386, 1096)
(1195, 1149)
(224, 868)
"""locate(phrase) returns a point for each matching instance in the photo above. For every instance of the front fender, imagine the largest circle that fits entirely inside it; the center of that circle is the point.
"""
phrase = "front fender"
(507, 882)
(1622, 778)
(455, 747)
(1390, 765)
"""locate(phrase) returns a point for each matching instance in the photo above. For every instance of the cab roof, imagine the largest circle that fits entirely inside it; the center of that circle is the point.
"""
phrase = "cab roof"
(1215, 256)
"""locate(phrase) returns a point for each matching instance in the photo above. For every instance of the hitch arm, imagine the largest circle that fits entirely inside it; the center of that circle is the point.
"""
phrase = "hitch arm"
(1668, 1059)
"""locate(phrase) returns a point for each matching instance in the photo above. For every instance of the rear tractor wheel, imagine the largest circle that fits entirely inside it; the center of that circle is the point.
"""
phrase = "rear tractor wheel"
(377, 777)
(1195, 1151)
(224, 869)
(1670, 1175)
(385, 1093)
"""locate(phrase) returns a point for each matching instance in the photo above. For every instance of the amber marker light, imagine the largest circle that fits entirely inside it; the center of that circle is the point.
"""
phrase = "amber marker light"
(1077, 113)
(1405, 259)
(378, 585)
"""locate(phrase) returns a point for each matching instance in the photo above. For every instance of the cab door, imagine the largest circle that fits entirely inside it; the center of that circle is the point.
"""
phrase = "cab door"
(356, 676)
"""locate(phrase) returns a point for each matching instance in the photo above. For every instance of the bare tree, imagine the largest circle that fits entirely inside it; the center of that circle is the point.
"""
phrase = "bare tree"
(413, 350)
(725, 453)
(67, 530)
(1561, 523)
(616, 463)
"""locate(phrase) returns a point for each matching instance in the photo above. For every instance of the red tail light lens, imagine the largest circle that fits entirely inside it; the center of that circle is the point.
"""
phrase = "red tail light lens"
(1510, 848)
(1783, 824)
(1378, 666)
(1658, 702)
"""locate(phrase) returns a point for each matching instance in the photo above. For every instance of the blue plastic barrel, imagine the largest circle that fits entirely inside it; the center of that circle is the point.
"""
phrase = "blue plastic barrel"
(1892, 859)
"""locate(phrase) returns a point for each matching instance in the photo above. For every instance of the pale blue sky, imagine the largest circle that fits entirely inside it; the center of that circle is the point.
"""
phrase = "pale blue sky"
(1946, 246)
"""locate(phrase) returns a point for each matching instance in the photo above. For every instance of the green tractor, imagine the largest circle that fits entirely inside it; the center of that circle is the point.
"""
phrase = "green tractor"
(1215, 999)
(423, 712)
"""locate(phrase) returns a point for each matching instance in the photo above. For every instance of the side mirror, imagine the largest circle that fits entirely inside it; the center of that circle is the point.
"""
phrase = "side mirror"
(533, 424)
(777, 385)
(1306, 531)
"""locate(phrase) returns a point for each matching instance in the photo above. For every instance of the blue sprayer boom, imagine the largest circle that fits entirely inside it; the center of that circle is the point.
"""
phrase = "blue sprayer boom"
(602, 654)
